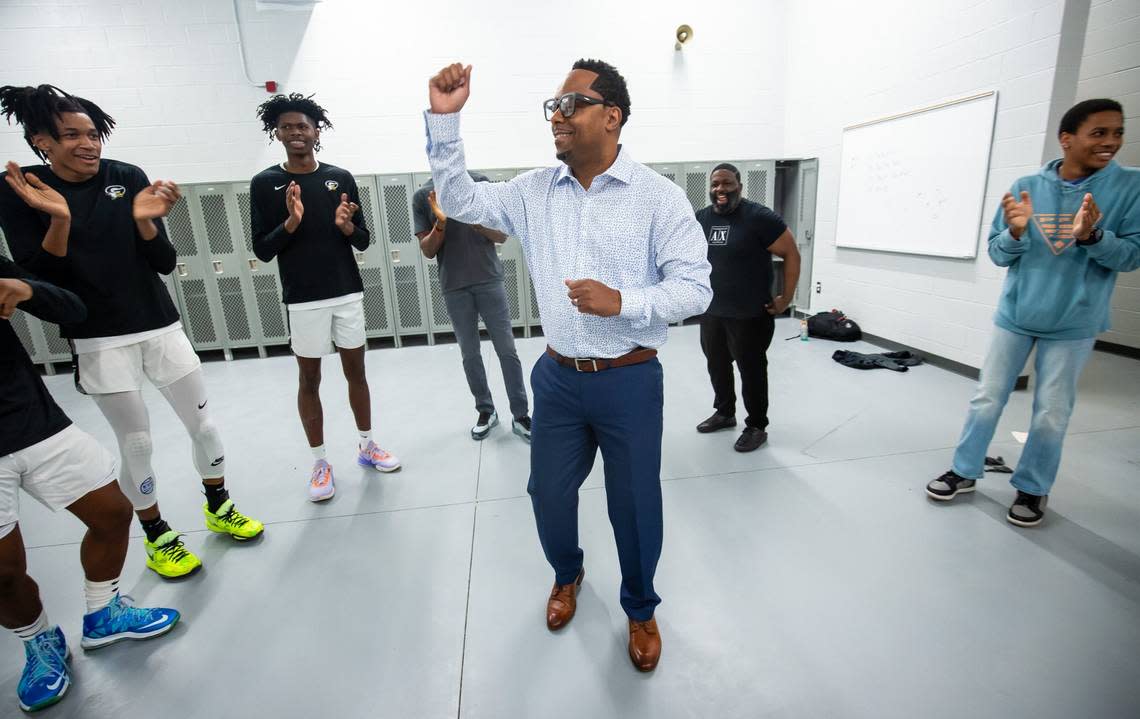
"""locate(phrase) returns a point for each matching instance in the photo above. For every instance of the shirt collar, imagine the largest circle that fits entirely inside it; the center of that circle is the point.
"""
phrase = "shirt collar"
(621, 169)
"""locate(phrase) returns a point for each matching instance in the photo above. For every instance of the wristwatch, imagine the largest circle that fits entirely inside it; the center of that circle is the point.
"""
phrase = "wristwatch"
(1094, 237)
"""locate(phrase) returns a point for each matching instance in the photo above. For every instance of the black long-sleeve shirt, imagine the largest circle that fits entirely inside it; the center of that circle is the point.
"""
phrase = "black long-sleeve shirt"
(28, 414)
(108, 263)
(316, 259)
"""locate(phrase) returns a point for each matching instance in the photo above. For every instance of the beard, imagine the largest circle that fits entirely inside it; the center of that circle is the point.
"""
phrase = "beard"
(734, 199)
(563, 156)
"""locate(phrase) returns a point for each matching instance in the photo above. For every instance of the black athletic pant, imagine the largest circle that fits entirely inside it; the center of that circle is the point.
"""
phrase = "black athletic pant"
(745, 341)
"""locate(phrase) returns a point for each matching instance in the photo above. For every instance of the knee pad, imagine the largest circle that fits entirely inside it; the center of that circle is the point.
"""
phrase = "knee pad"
(136, 478)
(209, 456)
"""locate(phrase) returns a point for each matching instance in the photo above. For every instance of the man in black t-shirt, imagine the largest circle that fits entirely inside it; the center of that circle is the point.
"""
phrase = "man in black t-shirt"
(471, 278)
(307, 215)
(738, 326)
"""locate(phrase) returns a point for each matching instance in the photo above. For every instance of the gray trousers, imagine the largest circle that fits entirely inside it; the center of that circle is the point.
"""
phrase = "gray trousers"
(489, 301)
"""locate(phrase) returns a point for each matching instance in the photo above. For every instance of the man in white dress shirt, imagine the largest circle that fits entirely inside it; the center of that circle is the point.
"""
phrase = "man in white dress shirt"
(615, 254)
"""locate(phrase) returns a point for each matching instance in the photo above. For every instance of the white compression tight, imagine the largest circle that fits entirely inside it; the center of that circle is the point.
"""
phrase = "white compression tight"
(126, 412)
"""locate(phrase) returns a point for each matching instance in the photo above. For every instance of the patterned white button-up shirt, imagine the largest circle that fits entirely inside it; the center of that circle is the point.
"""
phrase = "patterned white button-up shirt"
(633, 230)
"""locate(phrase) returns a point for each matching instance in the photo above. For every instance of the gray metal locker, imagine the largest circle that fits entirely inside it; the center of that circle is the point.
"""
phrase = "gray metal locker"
(671, 172)
(200, 317)
(409, 278)
(696, 183)
(514, 263)
(227, 267)
(438, 318)
(805, 224)
(29, 329)
(374, 267)
(264, 278)
(759, 180)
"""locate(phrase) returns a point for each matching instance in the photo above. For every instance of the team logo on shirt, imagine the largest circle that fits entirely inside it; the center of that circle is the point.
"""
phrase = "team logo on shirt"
(115, 191)
(718, 234)
(332, 185)
(1057, 229)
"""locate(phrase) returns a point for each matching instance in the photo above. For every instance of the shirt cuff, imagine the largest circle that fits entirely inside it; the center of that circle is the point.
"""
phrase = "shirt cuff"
(441, 128)
(1006, 241)
(633, 307)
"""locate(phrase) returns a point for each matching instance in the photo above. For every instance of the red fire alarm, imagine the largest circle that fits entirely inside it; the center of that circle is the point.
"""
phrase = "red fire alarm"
(271, 86)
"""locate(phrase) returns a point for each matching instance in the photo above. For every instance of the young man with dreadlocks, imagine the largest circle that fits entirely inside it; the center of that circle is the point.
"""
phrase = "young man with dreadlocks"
(307, 214)
(93, 226)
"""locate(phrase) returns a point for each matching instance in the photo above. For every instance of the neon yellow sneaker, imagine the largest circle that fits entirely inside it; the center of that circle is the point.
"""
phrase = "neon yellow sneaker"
(169, 557)
(227, 520)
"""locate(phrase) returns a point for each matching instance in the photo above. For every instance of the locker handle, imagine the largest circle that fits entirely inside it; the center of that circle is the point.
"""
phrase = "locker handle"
(359, 257)
(252, 265)
(181, 268)
(217, 267)
(395, 257)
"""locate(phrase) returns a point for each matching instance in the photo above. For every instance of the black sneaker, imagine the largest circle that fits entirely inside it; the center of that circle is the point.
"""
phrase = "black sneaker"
(949, 486)
(483, 425)
(715, 423)
(751, 438)
(1027, 510)
(521, 427)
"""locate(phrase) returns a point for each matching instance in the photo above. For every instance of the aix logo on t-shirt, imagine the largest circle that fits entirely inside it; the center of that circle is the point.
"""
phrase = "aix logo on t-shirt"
(1057, 229)
(331, 185)
(718, 234)
(115, 191)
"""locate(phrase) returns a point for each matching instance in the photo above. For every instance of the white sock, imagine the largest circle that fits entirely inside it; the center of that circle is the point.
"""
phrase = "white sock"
(318, 452)
(99, 594)
(365, 437)
(36, 627)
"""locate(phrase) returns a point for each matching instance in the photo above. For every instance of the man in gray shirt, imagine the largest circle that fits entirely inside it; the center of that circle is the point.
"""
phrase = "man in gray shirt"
(471, 278)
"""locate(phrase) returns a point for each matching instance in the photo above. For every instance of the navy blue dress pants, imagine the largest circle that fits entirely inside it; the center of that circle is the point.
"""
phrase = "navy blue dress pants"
(575, 414)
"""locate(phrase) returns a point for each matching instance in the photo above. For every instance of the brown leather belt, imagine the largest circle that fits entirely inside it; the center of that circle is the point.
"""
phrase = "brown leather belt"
(590, 364)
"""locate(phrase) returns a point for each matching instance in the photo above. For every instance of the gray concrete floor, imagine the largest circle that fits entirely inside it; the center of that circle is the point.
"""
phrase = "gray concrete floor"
(811, 578)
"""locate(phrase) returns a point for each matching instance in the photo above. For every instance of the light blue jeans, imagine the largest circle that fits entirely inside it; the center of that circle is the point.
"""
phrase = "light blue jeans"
(1058, 364)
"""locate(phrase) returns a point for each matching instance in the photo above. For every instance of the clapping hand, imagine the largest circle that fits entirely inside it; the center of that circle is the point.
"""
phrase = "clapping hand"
(1017, 214)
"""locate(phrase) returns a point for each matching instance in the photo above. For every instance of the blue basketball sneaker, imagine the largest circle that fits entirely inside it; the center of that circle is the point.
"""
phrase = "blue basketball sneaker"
(121, 620)
(45, 679)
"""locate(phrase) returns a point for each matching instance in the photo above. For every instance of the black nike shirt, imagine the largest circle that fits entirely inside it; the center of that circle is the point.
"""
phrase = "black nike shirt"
(28, 414)
(316, 260)
(108, 263)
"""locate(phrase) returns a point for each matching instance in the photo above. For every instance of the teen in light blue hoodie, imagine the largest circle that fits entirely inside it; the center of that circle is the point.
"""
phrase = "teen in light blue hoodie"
(1063, 233)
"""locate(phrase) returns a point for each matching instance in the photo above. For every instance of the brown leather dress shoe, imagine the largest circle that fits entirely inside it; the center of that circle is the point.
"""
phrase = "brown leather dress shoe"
(563, 602)
(644, 644)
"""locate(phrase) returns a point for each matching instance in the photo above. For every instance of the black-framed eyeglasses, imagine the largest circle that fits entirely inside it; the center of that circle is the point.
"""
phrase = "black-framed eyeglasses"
(568, 103)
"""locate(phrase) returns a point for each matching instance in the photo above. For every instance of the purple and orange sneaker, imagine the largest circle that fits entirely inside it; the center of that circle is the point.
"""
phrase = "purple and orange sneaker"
(321, 485)
(379, 459)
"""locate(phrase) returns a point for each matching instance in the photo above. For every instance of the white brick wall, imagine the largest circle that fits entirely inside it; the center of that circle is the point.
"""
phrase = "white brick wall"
(1111, 68)
(168, 70)
(851, 62)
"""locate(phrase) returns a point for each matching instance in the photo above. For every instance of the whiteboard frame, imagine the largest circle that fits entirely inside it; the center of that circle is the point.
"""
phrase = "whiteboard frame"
(973, 255)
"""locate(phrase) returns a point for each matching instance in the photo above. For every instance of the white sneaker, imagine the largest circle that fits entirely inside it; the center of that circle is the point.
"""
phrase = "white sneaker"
(483, 425)
(379, 459)
(321, 485)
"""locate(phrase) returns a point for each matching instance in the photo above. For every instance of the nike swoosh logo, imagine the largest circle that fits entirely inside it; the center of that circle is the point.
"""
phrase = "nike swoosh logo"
(160, 620)
(278, 188)
(203, 405)
(217, 461)
(55, 685)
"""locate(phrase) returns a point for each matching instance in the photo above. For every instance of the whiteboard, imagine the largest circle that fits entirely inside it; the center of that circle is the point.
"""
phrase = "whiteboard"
(916, 182)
